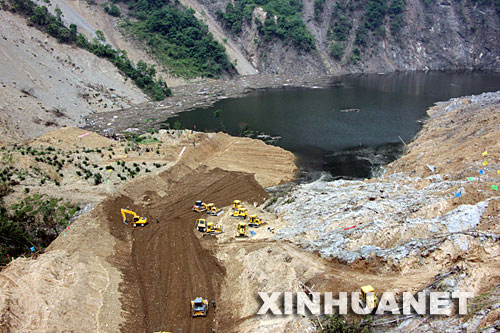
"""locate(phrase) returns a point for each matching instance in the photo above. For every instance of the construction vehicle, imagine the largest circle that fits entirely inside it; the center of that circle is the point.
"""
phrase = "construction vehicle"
(138, 220)
(214, 229)
(201, 225)
(241, 213)
(213, 210)
(236, 204)
(199, 206)
(254, 221)
(199, 307)
(368, 298)
(241, 230)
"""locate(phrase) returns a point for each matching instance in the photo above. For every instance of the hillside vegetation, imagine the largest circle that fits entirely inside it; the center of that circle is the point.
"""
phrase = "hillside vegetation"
(283, 21)
(142, 74)
(176, 38)
(345, 36)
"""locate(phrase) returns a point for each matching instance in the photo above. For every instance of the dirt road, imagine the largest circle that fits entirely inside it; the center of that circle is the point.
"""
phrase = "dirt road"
(169, 267)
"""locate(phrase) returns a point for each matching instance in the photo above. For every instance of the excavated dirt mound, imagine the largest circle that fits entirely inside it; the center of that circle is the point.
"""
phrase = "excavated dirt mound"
(169, 267)
(72, 137)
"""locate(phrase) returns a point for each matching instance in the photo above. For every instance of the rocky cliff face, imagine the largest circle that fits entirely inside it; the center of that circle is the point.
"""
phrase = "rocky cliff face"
(376, 36)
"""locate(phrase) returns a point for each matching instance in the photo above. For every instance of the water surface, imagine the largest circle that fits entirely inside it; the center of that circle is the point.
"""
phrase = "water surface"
(349, 129)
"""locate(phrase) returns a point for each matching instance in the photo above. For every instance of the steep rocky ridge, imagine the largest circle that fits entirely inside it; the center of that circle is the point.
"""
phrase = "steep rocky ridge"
(433, 35)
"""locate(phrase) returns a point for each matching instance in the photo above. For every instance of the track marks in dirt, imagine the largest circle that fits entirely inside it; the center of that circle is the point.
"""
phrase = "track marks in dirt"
(169, 266)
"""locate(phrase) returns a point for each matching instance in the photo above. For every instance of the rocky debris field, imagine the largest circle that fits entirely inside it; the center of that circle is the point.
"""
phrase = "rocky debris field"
(434, 209)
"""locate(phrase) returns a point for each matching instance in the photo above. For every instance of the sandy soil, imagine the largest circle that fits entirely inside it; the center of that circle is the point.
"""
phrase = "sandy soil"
(116, 263)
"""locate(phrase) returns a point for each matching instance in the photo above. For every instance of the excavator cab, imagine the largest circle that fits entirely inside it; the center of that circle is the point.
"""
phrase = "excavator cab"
(241, 230)
(199, 307)
(241, 213)
(201, 225)
(137, 220)
(236, 204)
(368, 297)
(199, 206)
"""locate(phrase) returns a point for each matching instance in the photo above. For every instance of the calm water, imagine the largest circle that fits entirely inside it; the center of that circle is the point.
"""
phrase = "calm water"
(317, 125)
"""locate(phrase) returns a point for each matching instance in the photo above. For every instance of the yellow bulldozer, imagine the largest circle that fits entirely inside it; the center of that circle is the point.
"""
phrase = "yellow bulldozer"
(214, 229)
(201, 225)
(199, 206)
(137, 220)
(254, 221)
(199, 307)
(240, 213)
(241, 230)
(368, 298)
(213, 210)
(236, 204)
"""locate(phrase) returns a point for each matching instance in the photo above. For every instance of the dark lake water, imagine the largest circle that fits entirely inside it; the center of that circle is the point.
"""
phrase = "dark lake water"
(349, 129)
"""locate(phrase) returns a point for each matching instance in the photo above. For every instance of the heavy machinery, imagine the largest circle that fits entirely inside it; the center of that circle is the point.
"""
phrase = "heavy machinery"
(213, 210)
(241, 230)
(199, 206)
(214, 229)
(138, 220)
(368, 298)
(236, 204)
(201, 225)
(199, 307)
(254, 221)
(241, 213)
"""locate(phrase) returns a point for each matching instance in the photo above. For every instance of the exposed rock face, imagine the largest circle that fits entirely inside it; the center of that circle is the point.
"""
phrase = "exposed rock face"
(433, 35)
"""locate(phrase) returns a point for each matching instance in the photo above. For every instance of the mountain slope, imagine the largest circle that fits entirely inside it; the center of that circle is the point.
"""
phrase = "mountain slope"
(365, 36)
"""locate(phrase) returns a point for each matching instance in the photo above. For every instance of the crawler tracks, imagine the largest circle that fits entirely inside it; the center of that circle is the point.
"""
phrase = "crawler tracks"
(168, 265)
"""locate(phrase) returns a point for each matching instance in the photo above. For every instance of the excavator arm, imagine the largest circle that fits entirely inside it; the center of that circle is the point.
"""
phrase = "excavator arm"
(126, 211)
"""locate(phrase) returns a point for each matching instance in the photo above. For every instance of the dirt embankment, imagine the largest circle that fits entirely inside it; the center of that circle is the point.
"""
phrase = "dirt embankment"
(102, 275)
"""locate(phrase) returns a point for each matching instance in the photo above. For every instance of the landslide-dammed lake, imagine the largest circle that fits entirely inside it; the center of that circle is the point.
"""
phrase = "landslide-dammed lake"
(349, 129)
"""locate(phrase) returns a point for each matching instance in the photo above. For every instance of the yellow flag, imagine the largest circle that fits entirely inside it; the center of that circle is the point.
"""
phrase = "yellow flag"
(485, 153)
(125, 155)
(498, 172)
(485, 163)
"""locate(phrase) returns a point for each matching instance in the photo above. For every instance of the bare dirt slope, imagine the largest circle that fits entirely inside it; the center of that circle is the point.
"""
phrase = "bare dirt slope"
(46, 85)
(170, 266)
(101, 265)
(271, 165)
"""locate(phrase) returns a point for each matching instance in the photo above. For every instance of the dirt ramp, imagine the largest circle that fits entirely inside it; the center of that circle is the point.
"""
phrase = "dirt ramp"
(168, 266)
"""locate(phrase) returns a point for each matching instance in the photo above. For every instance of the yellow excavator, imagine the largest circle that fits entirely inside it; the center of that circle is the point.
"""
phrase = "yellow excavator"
(199, 307)
(214, 229)
(201, 225)
(138, 220)
(368, 297)
(241, 213)
(241, 230)
(213, 210)
(236, 204)
(254, 221)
